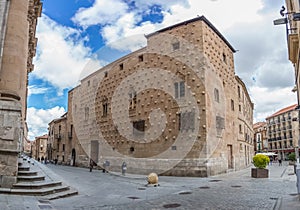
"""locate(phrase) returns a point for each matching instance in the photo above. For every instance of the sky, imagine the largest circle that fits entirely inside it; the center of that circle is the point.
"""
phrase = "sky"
(75, 37)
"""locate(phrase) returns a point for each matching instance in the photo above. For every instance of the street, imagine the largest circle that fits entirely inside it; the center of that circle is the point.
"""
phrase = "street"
(236, 190)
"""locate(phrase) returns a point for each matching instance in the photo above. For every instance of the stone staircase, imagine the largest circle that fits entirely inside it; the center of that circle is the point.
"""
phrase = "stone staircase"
(35, 179)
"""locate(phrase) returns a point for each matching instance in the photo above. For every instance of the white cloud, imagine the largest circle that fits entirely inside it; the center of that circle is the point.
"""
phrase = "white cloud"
(102, 12)
(61, 54)
(34, 89)
(38, 120)
(268, 101)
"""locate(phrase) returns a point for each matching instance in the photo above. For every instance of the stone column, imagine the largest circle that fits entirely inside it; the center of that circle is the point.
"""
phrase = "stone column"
(10, 138)
(18, 44)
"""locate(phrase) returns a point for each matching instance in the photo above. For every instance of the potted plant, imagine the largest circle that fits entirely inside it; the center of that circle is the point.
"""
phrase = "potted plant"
(260, 161)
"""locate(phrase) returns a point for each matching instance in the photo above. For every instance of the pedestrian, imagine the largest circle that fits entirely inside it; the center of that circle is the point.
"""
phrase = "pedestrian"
(124, 168)
(280, 162)
(271, 160)
(104, 167)
(91, 165)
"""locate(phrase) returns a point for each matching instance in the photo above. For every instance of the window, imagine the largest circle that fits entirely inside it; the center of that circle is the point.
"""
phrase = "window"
(132, 99)
(121, 66)
(104, 108)
(89, 83)
(232, 105)
(224, 58)
(105, 74)
(139, 127)
(86, 113)
(63, 147)
(176, 45)
(179, 89)
(216, 94)
(239, 91)
(186, 121)
(141, 58)
(240, 108)
(240, 128)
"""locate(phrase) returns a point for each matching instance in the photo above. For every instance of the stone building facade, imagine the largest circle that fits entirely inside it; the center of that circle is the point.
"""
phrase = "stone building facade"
(174, 107)
(260, 137)
(62, 142)
(40, 152)
(18, 19)
(293, 36)
(58, 140)
(283, 131)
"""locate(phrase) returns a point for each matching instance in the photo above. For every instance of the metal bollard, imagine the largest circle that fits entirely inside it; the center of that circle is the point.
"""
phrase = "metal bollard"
(298, 178)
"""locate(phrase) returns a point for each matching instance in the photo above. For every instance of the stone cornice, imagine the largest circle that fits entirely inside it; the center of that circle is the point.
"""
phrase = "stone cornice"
(34, 11)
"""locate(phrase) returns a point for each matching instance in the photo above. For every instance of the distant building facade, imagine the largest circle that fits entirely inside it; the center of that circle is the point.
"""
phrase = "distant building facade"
(283, 131)
(40, 147)
(260, 137)
(187, 72)
(18, 20)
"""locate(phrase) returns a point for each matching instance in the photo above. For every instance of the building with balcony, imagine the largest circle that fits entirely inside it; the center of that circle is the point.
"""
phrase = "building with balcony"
(40, 147)
(283, 131)
(58, 140)
(260, 137)
(292, 16)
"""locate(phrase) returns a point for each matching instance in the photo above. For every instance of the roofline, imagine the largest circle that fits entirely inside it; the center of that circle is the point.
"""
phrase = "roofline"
(202, 18)
(279, 112)
(240, 81)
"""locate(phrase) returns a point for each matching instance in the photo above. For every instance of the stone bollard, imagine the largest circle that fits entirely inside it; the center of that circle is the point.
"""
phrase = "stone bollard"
(152, 179)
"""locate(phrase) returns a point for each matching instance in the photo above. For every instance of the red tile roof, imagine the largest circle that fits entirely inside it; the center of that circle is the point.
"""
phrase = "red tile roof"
(284, 110)
(259, 124)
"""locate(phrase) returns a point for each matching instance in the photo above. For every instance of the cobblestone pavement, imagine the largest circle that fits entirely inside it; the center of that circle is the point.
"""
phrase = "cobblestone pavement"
(236, 190)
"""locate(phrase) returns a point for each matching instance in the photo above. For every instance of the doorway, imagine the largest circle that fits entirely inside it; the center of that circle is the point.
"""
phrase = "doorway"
(230, 158)
(73, 157)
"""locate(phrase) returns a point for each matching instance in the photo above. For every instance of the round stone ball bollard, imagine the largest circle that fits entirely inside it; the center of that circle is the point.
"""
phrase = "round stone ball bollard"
(152, 179)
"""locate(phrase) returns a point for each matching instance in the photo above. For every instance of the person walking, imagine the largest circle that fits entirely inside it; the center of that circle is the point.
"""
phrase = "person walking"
(91, 165)
(280, 162)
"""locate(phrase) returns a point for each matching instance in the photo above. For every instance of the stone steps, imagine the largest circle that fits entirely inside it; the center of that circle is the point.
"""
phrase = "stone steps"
(58, 195)
(27, 173)
(35, 183)
(23, 168)
(30, 178)
(36, 192)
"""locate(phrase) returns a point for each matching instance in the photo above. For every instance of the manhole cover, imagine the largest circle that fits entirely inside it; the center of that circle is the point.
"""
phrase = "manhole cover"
(171, 205)
(45, 207)
(236, 186)
(133, 198)
(204, 187)
(141, 188)
(274, 198)
(44, 201)
(185, 193)
(215, 180)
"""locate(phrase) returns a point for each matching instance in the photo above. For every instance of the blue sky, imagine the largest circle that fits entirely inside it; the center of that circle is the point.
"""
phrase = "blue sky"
(70, 32)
